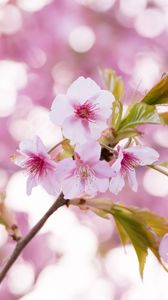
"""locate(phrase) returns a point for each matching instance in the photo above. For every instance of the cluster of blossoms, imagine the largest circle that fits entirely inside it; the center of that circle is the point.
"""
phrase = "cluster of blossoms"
(84, 113)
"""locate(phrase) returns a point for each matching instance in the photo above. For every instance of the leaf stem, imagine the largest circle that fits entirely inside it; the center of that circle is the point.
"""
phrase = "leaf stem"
(24, 241)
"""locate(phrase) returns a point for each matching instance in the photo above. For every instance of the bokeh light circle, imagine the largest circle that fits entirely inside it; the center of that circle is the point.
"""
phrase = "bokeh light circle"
(31, 5)
(150, 23)
(10, 19)
(155, 183)
(82, 39)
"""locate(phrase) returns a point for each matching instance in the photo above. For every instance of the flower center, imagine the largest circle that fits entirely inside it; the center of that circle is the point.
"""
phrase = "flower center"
(86, 111)
(84, 172)
(35, 165)
(129, 162)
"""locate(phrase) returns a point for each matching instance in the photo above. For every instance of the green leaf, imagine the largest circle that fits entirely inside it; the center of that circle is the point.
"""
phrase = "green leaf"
(135, 232)
(123, 134)
(116, 114)
(158, 224)
(122, 233)
(139, 114)
(158, 94)
(143, 228)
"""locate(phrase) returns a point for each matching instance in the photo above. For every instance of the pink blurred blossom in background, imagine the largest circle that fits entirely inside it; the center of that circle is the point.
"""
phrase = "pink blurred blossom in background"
(44, 46)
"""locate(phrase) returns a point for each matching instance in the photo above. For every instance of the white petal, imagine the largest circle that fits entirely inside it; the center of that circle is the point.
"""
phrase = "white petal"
(83, 89)
(116, 184)
(132, 180)
(60, 109)
(146, 155)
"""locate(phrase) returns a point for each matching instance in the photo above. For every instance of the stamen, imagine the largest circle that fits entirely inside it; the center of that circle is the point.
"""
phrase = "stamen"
(129, 162)
(35, 165)
(86, 111)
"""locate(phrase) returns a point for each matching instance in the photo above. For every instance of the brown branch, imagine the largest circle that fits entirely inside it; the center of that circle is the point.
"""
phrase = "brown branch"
(24, 241)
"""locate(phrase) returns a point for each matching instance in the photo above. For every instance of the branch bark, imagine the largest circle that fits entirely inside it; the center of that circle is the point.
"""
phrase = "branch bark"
(24, 241)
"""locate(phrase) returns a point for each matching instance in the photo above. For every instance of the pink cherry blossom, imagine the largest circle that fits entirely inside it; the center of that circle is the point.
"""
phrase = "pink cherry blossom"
(86, 174)
(33, 157)
(83, 112)
(163, 248)
(125, 164)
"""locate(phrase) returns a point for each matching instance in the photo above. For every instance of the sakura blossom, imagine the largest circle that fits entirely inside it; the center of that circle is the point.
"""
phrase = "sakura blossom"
(33, 157)
(83, 112)
(86, 174)
(163, 248)
(127, 160)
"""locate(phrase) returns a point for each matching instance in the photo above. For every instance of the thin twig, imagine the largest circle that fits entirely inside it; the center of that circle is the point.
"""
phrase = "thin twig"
(159, 169)
(24, 241)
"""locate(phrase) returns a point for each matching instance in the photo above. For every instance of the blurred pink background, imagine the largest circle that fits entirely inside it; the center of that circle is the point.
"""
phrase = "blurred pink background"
(44, 46)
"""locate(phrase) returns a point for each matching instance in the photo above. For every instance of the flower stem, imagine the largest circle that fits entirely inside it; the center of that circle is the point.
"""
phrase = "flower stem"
(159, 169)
(55, 146)
(108, 148)
(24, 241)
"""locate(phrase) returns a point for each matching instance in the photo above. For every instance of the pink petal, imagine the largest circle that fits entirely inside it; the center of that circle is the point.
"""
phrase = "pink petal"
(91, 186)
(146, 155)
(116, 166)
(102, 184)
(72, 188)
(163, 248)
(74, 130)
(19, 160)
(94, 185)
(51, 184)
(31, 182)
(132, 180)
(83, 89)
(97, 127)
(41, 149)
(60, 109)
(28, 147)
(102, 169)
(89, 152)
(65, 167)
(105, 100)
(116, 184)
